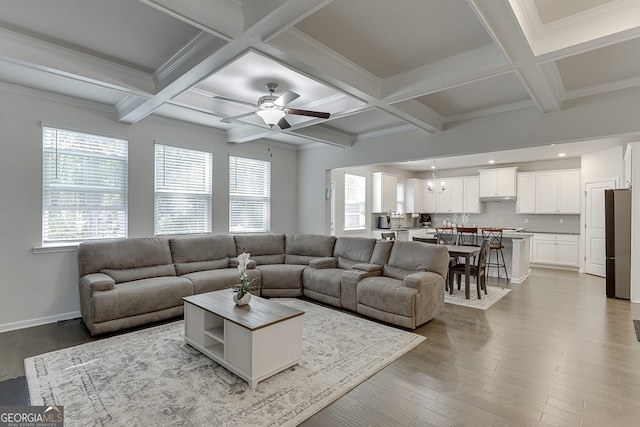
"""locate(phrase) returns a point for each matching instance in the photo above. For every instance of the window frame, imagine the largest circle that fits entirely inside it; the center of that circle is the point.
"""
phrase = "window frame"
(362, 204)
(243, 195)
(173, 191)
(91, 184)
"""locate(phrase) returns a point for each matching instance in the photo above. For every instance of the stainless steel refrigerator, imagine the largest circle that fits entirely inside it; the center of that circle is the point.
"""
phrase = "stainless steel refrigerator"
(617, 205)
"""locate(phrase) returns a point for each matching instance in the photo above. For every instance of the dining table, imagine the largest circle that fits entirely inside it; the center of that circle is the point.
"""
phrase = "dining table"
(459, 251)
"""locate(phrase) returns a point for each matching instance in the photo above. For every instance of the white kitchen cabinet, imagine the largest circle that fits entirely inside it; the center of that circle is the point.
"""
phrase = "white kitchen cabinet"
(451, 200)
(384, 189)
(526, 200)
(498, 183)
(561, 250)
(430, 202)
(558, 192)
(415, 195)
(471, 194)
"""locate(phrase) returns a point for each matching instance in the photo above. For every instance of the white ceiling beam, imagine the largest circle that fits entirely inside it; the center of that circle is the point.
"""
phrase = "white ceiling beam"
(473, 65)
(223, 19)
(272, 22)
(504, 29)
(51, 58)
(325, 135)
(418, 114)
(598, 26)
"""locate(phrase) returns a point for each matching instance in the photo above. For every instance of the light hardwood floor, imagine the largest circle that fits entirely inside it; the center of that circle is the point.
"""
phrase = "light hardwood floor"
(553, 352)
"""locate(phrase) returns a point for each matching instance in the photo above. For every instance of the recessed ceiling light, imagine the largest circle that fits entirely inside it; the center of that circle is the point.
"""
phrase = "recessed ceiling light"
(433, 166)
(492, 161)
(562, 154)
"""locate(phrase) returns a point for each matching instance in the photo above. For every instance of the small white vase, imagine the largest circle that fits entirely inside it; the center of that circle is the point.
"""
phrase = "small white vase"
(242, 301)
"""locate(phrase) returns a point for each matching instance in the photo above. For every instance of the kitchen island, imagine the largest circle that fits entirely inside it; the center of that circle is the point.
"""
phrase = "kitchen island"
(517, 253)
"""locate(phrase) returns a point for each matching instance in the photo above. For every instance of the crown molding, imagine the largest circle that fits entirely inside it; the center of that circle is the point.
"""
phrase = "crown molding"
(56, 97)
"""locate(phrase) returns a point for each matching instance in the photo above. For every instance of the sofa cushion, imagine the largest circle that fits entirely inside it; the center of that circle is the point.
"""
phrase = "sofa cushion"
(281, 276)
(387, 294)
(214, 280)
(120, 254)
(130, 274)
(199, 249)
(353, 250)
(302, 248)
(139, 297)
(190, 267)
(264, 248)
(417, 256)
(324, 281)
(381, 252)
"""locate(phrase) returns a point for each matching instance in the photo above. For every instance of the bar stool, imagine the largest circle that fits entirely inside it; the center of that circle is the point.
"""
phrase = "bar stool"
(495, 246)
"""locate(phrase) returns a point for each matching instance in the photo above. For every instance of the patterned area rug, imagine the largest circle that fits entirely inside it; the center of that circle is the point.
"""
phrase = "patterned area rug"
(150, 377)
(494, 294)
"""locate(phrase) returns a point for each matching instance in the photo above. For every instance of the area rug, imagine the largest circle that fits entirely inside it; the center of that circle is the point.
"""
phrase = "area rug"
(150, 377)
(494, 294)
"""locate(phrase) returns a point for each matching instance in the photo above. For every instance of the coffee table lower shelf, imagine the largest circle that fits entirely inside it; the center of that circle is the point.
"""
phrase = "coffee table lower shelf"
(227, 334)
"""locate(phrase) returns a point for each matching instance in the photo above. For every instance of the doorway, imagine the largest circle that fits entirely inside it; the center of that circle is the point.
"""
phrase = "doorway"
(594, 225)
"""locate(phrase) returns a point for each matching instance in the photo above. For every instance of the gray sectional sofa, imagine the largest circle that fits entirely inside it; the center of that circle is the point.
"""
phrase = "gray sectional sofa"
(130, 282)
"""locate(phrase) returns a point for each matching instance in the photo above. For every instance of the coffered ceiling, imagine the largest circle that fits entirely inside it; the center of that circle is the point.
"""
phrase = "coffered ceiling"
(378, 67)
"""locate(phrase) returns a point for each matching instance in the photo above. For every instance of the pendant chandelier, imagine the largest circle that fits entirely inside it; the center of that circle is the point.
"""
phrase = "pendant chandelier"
(433, 182)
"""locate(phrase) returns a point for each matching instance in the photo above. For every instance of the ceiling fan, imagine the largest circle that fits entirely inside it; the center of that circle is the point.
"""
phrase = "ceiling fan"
(273, 109)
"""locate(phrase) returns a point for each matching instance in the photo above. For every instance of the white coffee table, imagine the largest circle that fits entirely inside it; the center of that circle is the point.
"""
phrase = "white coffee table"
(254, 341)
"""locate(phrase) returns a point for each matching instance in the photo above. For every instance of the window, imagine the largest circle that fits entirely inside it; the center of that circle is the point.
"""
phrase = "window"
(354, 202)
(400, 197)
(182, 190)
(249, 195)
(84, 186)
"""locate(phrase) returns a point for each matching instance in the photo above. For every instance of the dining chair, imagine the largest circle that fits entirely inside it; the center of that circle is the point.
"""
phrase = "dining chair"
(495, 247)
(468, 236)
(478, 270)
(446, 236)
(425, 239)
(388, 236)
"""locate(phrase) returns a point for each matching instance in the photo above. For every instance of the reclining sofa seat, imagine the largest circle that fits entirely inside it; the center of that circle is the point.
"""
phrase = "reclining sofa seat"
(323, 280)
(281, 258)
(209, 262)
(410, 291)
(128, 282)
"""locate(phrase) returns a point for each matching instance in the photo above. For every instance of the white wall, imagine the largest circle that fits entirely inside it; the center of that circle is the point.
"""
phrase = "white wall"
(43, 287)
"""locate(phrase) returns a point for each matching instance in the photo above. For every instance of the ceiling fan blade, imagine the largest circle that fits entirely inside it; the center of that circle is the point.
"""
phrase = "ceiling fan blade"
(235, 118)
(283, 124)
(285, 98)
(317, 114)
(237, 101)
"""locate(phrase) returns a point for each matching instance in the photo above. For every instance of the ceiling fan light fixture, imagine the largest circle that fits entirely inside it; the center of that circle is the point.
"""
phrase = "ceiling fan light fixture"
(271, 116)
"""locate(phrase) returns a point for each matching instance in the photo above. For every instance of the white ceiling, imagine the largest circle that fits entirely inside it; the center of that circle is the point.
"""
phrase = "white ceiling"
(379, 67)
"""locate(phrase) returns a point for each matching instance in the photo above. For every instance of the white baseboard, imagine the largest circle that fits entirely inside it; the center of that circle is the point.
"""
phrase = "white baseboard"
(37, 322)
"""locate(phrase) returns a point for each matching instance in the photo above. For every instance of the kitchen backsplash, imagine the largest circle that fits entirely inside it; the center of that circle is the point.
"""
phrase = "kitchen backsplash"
(503, 214)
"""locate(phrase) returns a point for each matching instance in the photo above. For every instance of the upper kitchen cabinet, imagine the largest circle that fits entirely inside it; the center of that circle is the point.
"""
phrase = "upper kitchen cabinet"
(526, 200)
(558, 192)
(471, 194)
(451, 200)
(498, 183)
(415, 195)
(384, 189)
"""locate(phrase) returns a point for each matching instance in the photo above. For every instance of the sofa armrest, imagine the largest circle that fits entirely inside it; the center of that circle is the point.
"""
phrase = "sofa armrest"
(324, 262)
(349, 286)
(422, 278)
(367, 267)
(97, 282)
(233, 263)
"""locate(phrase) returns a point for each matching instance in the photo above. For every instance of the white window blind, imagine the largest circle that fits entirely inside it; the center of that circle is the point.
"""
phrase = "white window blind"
(182, 190)
(249, 195)
(84, 186)
(354, 202)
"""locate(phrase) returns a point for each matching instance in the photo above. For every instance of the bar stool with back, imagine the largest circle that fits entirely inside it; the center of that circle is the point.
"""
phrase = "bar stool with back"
(495, 246)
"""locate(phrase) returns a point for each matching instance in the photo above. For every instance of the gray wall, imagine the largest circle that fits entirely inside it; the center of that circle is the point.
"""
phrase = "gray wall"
(43, 287)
